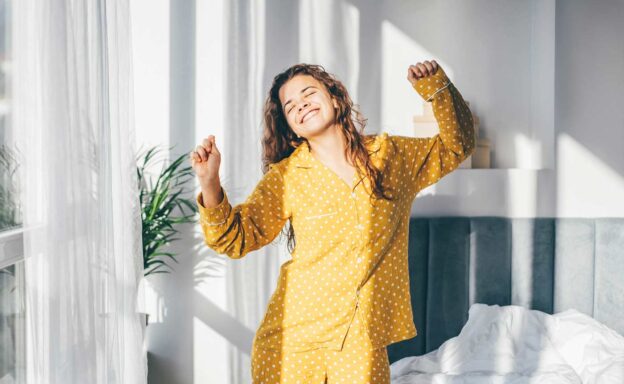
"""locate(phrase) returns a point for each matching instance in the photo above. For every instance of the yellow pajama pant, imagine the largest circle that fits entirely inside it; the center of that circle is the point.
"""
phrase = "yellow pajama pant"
(356, 363)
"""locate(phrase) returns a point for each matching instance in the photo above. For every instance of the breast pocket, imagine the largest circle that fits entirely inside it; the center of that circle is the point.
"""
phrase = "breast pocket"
(320, 215)
(317, 222)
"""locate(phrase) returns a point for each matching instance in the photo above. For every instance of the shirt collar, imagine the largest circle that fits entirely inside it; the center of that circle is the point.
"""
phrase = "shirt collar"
(302, 158)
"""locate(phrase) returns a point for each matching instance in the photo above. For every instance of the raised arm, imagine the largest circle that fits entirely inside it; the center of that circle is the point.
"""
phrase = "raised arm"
(428, 159)
(248, 226)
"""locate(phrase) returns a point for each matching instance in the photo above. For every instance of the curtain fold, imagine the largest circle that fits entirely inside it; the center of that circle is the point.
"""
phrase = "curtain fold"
(246, 280)
(82, 220)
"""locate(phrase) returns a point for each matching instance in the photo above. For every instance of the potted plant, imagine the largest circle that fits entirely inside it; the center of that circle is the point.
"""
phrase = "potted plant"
(159, 199)
(9, 204)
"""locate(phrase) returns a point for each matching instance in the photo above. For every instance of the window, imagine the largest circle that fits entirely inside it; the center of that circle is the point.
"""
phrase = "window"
(9, 204)
(12, 315)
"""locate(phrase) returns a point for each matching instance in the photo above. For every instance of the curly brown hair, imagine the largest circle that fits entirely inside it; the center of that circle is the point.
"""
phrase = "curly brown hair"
(279, 140)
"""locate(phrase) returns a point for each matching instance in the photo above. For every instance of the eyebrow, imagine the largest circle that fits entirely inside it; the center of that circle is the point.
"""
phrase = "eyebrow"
(303, 90)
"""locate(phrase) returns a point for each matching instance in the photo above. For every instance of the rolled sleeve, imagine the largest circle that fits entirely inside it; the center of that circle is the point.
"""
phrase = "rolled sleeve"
(430, 86)
(216, 215)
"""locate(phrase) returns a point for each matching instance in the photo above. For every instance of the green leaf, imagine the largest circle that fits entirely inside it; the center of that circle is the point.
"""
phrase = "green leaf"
(163, 204)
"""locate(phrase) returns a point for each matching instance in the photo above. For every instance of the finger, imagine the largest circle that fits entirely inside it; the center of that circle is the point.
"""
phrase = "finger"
(207, 144)
(202, 152)
(208, 148)
(195, 157)
(411, 75)
(422, 69)
(214, 146)
(416, 71)
(210, 143)
(435, 65)
(429, 67)
(211, 139)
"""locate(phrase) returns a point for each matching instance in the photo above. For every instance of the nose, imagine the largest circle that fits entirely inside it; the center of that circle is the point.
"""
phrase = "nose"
(303, 105)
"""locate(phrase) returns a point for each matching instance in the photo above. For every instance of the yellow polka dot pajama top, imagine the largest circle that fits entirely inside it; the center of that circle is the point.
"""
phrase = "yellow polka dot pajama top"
(351, 251)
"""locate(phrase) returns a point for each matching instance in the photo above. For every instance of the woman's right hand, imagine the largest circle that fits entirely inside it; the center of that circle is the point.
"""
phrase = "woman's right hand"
(205, 161)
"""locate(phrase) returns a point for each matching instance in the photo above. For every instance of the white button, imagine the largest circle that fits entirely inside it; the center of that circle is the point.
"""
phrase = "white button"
(359, 259)
(353, 194)
(360, 227)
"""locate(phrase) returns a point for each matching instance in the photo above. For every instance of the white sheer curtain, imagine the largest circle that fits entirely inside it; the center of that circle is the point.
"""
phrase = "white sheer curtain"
(82, 241)
(249, 281)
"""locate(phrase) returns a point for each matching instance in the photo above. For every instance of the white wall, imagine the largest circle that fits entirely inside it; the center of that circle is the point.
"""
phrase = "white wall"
(545, 79)
(552, 106)
(589, 108)
(498, 54)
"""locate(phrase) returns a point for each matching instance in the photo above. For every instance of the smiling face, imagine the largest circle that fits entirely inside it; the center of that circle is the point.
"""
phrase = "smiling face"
(307, 105)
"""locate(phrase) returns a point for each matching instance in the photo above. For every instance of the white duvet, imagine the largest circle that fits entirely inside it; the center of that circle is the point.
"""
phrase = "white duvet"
(512, 344)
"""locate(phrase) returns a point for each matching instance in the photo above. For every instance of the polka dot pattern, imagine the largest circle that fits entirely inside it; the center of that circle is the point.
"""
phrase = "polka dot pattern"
(356, 363)
(351, 251)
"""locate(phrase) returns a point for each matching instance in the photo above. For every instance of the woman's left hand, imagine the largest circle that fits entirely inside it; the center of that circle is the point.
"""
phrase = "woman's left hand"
(420, 70)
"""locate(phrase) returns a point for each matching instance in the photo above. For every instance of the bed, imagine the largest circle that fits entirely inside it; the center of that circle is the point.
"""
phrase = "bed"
(514, 300)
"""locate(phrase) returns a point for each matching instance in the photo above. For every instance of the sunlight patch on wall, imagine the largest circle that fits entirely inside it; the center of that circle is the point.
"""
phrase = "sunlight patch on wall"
(399, 101)
(206, 353)
(586, 186)
(522, 190)
(210, 342)
(528, 152)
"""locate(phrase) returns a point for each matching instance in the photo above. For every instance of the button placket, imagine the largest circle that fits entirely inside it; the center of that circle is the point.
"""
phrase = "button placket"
(357, 213)
(359, 226)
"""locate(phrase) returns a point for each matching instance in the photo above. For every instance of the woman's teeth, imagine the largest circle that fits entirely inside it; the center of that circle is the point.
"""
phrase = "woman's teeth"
(309, 115)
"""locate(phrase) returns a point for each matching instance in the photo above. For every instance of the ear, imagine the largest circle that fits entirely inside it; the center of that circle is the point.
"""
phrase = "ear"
(335, 103)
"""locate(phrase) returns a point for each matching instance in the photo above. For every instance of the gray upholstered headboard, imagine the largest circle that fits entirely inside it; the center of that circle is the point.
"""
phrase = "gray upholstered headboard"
(548, 264)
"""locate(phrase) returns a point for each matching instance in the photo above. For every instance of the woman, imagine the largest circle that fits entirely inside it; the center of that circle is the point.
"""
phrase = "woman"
(344, 294)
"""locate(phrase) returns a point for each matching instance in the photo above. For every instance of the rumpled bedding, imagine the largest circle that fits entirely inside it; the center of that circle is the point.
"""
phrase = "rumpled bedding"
(512, 344)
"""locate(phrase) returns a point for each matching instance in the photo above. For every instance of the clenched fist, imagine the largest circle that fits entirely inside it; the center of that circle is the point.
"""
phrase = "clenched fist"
(420, 70)
(205, 160)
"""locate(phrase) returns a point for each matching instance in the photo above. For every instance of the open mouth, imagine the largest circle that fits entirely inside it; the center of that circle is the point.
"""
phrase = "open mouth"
(309, 115)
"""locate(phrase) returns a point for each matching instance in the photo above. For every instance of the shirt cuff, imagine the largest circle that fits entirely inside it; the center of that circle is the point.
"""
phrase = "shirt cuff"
(216, 215)
(431, 85)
